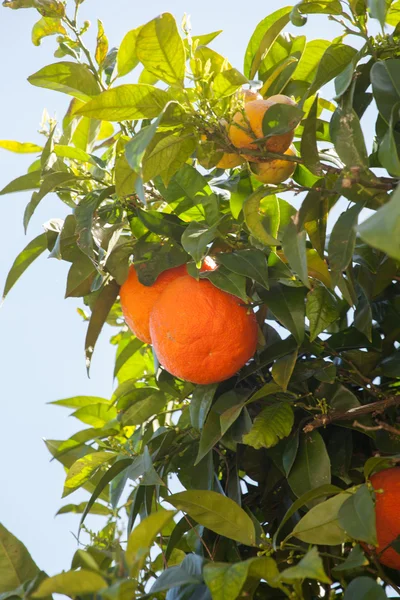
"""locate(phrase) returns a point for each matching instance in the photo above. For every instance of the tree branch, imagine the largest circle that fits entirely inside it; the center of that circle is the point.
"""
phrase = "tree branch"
(352, 414)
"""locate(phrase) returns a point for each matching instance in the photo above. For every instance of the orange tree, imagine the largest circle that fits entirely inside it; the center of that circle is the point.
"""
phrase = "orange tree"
(281, 480)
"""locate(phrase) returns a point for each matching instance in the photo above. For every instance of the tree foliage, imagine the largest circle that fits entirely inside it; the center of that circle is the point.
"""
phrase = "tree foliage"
(272, 465)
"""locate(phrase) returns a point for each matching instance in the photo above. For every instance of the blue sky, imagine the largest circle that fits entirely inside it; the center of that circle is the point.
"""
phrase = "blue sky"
(41, 335)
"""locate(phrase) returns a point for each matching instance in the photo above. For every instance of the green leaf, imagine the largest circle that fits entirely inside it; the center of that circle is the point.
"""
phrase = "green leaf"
(248, 263)
(321, 310)
(189, 191)
(127, 58)
(101, 309)
(282, 369)
(196, 238)
(335, 58)
(280, 119)
(357, 516)
(143, 537)
(226, 581)
(200, 404)
(16, 564)
(348, 138)
(166, 158)
(108, 476)
(343, 238)
(142, 410)
(309, 62)
(387, 153)
(363, 316)
(50, 182)
(287, 305)
(216, 512)
(262, 39)
(308, 145)
(30, 181)
(80, 277)
(32, 251)
(227, 281)
(274, 423)
(309, 496)
(69, 78)
(160, 49)
(382, 230)
(71, 583)
(385, 76)
(378, 10)
(294, 248)
(393, 14)
(84, 214)
(227, 82)
(355, 560)
(254, 219)
(96, 415)
(364, 588)
(79, 401)
(126, 102)
(77, 509)
(321, 525)
(20, 147)
(309, 567)
(312, 467)
(45, 27)
(84, 468)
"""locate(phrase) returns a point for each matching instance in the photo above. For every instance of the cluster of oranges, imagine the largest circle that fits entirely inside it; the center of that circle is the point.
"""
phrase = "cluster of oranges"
(245, 132)
(199, 332)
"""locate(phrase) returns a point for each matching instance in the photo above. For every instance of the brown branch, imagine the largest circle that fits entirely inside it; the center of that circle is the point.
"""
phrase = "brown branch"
(380, 425)
(351, 414)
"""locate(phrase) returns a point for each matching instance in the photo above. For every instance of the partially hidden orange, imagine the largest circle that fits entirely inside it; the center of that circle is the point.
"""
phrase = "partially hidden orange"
(246, 126)
(137, 300)
(386, 484)
(201, 333)
(276, 170)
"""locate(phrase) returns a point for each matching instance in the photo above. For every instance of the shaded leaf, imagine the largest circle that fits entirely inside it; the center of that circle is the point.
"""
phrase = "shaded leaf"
(249, 263)
(382, 229)
(343, 238)
(274, 423)
(142, 538)
(321, 525)
(287, 304)
(364, 588)
(100, 311)
(309, 567)
(282, 369)
(294, 247)
(321, 310)
(312, 467)
(357, 516)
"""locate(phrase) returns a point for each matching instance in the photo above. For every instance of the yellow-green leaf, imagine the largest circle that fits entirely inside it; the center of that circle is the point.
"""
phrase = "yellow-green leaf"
(273, 423)
(142, 538)
(218, 513)
(102, 44)
(160, 49)
(126, 102)
(71, 583)
(45, 27)
(16, 564)
(127, 58)
(83, 469)
(20, 147)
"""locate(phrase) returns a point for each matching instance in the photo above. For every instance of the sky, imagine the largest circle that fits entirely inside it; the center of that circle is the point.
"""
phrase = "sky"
(41, 334)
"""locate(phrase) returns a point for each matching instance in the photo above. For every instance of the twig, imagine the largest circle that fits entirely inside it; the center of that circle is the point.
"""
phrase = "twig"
(380, 425)
(351, 414)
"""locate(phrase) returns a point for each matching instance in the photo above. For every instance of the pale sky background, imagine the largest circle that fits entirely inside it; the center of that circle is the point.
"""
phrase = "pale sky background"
(41, 334)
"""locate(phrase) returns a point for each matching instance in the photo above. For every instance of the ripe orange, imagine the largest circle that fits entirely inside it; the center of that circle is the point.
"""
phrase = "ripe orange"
(200, 333)
(387, 513)
(246, 126)
(229, 161)
(250, 95)
(137, 300)
(276, 170)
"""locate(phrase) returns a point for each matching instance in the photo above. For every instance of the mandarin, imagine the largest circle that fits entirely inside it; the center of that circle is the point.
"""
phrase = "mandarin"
(229, 161)
(137, 300)
(200, 333)
(246, 126)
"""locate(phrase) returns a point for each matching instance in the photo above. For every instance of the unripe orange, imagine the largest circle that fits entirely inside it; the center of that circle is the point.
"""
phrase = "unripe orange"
(275, 170)
(246, 126)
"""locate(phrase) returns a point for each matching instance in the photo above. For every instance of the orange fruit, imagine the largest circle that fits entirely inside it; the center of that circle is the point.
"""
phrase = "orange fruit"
(246, 126)
(276, 170)
(229, 161)
(137, 300)
(200, 333)
(387, 513)
(250, 95)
